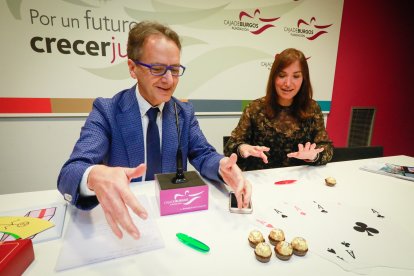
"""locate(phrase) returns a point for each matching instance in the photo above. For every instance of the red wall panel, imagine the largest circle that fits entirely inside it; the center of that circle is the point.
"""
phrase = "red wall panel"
(375, 68)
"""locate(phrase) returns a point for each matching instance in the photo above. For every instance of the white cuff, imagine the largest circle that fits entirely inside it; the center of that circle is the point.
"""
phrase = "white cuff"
(83, 187)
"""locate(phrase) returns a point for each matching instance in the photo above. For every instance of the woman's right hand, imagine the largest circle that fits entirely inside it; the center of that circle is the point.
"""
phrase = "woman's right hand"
(246, 150)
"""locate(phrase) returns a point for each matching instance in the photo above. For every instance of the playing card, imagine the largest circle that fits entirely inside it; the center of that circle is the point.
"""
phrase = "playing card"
(365, 236)
(310, 215)
(290, 213)
(288, 216)
(355, 237)
(322, 208)
(340, 250)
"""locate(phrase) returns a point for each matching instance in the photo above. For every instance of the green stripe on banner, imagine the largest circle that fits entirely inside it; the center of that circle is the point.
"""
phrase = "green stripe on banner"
(235, 105)
(325, 105)
(245, 103)
(216, 105)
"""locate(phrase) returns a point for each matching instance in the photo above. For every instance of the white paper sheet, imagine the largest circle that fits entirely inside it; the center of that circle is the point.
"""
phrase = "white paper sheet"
(54, 213)
(89, 238)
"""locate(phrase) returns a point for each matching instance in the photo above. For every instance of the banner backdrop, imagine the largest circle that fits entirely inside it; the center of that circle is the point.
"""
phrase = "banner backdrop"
(59, 55)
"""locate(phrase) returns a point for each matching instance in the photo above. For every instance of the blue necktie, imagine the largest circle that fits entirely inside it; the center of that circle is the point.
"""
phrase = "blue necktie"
(153, 145)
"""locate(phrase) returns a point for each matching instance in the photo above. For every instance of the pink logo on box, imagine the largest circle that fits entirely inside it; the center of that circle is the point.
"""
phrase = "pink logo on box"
(183, 200)
(187, 197)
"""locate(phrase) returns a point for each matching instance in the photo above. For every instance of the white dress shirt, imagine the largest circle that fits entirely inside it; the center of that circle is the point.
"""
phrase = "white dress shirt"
(143, 108)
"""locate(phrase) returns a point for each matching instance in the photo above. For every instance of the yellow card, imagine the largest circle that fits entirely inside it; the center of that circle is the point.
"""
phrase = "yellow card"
(24, 227)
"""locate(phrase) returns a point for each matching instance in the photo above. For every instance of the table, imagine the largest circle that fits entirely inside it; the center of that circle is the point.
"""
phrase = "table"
(226, 233)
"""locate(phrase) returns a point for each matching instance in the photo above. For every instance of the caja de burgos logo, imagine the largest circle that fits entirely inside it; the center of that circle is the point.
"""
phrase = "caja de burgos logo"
(268, 64)
(184, 199)
(254, 24)
(310, 31)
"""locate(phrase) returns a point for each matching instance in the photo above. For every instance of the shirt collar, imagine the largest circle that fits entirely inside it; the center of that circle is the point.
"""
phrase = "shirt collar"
(144, 105)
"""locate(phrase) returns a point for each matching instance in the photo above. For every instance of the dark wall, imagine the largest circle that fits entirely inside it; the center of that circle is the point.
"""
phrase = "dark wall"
(375, 68)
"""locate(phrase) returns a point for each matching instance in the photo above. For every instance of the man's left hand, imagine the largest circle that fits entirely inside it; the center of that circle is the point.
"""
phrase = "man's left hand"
(233, 177)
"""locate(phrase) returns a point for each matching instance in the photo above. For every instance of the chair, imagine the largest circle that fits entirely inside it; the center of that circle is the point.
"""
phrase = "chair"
(225, 139)
(353, 153)
(346, 153)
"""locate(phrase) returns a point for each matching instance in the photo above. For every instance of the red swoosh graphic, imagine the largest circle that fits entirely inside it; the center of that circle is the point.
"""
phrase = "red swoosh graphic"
(300, 21)
(262, 29)
(269, 19)
(243, 13)
(322, 26)
(316, 35)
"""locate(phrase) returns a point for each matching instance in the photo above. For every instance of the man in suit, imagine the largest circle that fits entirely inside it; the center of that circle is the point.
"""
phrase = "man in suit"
(113, 148)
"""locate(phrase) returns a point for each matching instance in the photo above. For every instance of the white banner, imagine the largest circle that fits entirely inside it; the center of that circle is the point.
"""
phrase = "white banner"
(77, 48)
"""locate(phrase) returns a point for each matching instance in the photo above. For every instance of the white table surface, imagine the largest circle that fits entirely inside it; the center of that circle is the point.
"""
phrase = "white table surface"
(227, 233)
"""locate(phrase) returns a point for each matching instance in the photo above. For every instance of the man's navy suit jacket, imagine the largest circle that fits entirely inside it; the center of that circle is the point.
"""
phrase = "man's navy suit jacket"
(113, 135)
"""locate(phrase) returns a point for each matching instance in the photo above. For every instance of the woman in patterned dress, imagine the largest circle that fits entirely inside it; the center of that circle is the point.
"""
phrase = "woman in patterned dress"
(285, 127)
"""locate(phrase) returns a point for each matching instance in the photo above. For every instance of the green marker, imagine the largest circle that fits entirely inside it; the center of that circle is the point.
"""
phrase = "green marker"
(193, 243)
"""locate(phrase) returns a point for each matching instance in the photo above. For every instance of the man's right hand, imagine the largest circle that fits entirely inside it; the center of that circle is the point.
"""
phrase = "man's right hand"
(111, 186)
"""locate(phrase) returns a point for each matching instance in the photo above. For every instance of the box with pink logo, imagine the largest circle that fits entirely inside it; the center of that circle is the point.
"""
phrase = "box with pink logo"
(181, 198)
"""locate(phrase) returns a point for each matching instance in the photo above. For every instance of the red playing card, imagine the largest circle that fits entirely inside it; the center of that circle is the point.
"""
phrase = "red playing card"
(281, 182)
(15, 257)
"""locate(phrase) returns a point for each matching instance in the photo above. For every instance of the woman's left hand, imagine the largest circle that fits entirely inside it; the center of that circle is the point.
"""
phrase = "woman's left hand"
(307, 152)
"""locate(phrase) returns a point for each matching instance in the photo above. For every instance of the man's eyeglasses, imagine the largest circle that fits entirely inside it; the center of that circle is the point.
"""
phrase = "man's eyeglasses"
(161, 70)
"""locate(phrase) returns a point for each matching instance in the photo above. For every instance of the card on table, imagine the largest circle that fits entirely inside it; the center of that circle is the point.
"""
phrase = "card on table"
(307, 212)
(354, 237)
(363, 236)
